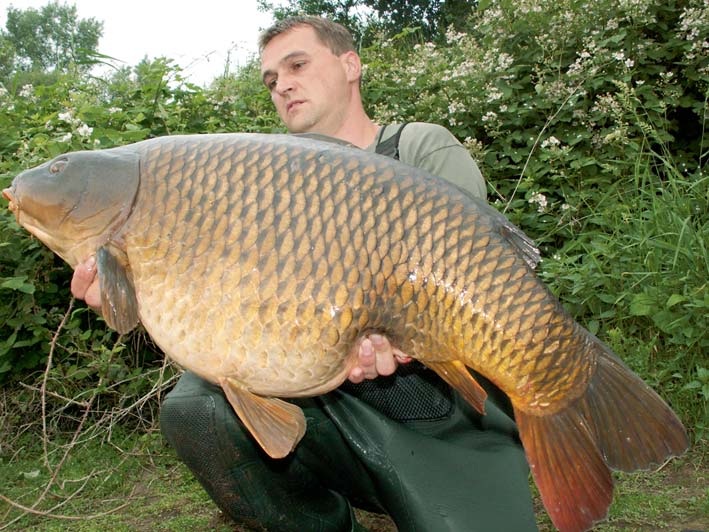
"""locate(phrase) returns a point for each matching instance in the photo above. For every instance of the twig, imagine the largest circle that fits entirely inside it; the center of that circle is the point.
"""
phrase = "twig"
(536, 142)
(49, 513)
(43, 388)
(82, 404)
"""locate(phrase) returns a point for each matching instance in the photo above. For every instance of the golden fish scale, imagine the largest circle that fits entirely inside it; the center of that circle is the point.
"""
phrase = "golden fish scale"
(264, 260)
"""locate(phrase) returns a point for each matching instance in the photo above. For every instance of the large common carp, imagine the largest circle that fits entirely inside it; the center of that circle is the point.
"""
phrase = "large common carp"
(257, 261)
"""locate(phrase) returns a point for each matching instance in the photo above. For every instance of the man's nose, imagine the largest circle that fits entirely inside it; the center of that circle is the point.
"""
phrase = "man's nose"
(284, 84)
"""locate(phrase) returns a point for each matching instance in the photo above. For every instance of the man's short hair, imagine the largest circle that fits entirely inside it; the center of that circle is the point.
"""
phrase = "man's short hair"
(333, 35)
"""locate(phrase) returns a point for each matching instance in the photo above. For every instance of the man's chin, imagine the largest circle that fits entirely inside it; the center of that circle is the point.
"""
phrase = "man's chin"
(298, 124)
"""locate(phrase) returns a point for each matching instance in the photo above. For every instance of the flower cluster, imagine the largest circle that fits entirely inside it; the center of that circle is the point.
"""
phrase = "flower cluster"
(27, 92)
(540, 200)
(78, 127)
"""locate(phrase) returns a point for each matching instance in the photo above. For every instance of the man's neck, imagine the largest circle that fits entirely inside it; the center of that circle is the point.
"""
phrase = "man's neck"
(360, 133)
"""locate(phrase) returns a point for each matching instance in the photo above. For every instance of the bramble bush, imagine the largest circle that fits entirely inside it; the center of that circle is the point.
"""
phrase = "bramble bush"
(589, 122)
(587, 118)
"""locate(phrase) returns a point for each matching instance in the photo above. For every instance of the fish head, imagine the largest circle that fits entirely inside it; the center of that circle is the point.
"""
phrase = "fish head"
(77, 201)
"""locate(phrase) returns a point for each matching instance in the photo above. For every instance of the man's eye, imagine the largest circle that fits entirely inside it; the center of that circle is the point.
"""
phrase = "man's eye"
(270, 85)
(298, 65)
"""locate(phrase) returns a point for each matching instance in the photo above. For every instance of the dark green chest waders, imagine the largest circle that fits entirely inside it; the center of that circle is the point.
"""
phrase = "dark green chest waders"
(406, 445)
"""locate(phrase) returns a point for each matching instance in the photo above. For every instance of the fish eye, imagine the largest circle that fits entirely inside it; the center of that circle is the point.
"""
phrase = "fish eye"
(58, 165)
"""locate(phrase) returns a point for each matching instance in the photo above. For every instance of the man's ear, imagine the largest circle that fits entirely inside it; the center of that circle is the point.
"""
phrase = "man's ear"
(353, 65)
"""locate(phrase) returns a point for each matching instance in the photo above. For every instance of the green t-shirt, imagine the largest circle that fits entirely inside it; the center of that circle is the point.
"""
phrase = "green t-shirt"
(433, 148)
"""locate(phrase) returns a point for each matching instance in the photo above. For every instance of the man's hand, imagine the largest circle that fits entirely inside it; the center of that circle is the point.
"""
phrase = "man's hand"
(84, 284)
(376, 357)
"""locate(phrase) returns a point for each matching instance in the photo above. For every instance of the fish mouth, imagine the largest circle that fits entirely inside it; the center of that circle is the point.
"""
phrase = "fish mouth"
(14, 207)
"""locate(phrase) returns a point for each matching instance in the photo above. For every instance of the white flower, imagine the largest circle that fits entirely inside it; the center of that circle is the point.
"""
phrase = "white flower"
(84, 131)
(489, 116)
(551, 142)
(494, 94)
(540, 199)
(619, 56)
(26, 91)
(113, 110)
(65, 138)
(65, 117)
(3, 91)
(629, 63)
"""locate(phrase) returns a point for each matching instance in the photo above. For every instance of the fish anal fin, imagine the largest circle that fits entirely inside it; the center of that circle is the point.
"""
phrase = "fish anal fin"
(456, 374)
(119, 305)
(276, 425)
(574, 481)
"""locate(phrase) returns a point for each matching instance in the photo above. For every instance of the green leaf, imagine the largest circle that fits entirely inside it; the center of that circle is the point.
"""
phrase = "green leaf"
(642, 305)
(19, 284)
(674, 299)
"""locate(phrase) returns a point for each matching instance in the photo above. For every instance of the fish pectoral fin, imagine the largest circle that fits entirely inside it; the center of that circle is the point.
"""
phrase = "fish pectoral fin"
(277, 425)
(458, 376)
(119, 305)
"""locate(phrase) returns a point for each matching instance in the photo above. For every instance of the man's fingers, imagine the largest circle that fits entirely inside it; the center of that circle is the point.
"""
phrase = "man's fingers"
(401, 357)
(367, 359)
(375, 356)
(84, 275)
(85, 285)
(384, 355)
(93, 295)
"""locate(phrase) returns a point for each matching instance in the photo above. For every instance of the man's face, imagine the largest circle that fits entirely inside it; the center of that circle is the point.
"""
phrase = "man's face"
(309, 85)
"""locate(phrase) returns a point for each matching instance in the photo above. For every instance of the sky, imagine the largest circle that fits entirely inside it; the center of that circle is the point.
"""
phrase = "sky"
(199, 36)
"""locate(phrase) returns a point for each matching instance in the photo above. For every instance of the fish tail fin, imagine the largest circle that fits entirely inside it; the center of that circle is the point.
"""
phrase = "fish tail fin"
(618, 423)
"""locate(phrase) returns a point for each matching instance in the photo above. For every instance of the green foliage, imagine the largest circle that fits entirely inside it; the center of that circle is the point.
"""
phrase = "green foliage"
(589, 121)
(49, 38)
(587, 118)
(368, 18)
(79, 112)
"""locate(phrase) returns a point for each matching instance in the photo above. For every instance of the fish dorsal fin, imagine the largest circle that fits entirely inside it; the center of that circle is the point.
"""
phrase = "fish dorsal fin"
(456, 374)
(277, 425)
(119, 305)
(521, 242)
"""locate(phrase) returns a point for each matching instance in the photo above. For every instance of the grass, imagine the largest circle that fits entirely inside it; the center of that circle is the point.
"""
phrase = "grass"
(140, 478)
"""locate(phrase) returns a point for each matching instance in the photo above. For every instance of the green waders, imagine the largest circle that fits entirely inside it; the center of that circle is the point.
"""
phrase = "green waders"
(457, 472)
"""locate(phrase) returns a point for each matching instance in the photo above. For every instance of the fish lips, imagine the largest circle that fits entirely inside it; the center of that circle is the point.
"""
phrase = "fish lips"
(13, 205)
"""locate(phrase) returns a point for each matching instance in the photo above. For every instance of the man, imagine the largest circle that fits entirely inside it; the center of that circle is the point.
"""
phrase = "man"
(403, 443)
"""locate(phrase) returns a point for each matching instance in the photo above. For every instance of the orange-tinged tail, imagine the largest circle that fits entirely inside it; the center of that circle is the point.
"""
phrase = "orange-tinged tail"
(619, 423)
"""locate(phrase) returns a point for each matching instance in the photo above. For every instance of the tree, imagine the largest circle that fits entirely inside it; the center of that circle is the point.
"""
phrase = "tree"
(51, 38)
(364, 18)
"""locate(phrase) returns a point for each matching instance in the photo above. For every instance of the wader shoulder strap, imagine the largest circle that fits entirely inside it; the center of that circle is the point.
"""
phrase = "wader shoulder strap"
(390, 147)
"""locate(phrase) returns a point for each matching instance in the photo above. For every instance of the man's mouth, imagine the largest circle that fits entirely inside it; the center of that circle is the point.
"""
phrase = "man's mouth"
(292, 104)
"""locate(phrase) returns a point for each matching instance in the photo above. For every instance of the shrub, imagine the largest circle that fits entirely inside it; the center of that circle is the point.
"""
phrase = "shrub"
(587, 118)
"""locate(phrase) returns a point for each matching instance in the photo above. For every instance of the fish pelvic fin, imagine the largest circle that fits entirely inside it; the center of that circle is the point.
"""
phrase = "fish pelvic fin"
(276, 425)
(457, 375)
(119, 305)
(618, 423)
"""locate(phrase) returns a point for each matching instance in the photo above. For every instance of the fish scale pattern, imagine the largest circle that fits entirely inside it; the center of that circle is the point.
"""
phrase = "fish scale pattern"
(256, 261)
(283, 252)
